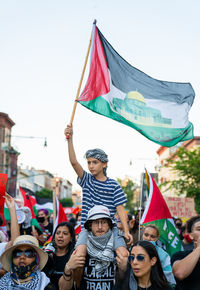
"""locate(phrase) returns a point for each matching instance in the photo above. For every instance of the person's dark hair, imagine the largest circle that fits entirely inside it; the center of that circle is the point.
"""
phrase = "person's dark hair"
(72, 233)
(77, 215)
(130, 216)
(72, 221)
(157, 276)
(1, 220)
(89, 227)
(191, 222)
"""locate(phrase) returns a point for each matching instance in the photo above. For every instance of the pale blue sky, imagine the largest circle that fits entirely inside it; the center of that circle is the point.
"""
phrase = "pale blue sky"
(42, 49)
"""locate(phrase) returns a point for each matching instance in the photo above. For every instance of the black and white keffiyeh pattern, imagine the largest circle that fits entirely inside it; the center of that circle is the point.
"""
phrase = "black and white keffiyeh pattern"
(39, 282)
(101, 249)
(98, 154)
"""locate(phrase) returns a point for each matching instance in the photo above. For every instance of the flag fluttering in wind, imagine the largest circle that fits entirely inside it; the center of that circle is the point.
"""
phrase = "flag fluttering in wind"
(157, 213)
(157, 109)
(29, 200)
(60, 214)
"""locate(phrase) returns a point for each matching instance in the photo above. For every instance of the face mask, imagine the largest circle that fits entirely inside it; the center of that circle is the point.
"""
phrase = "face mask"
(40, 219)
(187, 237)
(51, 220)
(178, 225)
(23, 272)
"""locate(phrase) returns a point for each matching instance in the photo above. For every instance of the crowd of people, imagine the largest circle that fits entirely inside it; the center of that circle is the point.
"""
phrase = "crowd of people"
(112, 251)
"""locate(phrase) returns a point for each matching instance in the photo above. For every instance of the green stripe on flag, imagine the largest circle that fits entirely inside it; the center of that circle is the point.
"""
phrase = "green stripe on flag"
(169, 136)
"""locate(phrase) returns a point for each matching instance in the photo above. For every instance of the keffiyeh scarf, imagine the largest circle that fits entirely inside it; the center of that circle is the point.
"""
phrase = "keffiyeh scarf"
(39, 282)
(101, 249)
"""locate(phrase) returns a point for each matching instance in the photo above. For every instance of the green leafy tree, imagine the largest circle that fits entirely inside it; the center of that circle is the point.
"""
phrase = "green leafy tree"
(128, 187)
(45, 193)
(186, 164)
(66, 202)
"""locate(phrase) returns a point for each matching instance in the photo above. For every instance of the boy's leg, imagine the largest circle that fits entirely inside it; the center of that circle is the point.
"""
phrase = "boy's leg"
(119, 244)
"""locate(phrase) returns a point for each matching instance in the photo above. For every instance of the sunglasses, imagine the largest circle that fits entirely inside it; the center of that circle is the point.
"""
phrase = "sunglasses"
(139, 258)
(27, 253)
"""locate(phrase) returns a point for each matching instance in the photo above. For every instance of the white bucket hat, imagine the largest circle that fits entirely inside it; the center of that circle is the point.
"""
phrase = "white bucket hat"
(97, 212)
(24, 240)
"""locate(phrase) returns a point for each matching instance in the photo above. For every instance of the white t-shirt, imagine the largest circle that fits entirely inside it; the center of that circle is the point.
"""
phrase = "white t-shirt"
(2, 247)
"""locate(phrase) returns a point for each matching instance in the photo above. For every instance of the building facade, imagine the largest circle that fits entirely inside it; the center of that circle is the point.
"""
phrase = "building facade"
(8, 155)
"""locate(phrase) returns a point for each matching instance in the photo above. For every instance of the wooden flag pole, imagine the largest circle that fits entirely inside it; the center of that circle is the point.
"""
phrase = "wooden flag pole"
(81, 80)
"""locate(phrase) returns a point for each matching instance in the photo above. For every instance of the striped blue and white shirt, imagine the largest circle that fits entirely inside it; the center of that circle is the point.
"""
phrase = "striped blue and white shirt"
(95, 192)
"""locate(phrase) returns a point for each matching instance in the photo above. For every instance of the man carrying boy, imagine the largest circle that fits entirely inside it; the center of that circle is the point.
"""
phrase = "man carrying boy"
(99, 263)
(98, 189)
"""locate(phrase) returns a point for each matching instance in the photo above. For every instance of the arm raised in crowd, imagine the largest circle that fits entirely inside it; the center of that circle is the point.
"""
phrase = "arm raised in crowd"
(183, 268)
(72, 155)
(14, 227)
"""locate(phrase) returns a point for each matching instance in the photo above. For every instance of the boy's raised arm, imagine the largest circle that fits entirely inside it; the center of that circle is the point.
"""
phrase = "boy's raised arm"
(72, 156)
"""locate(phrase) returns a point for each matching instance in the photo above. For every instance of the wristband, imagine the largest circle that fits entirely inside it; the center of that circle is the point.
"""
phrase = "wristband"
(69, 269)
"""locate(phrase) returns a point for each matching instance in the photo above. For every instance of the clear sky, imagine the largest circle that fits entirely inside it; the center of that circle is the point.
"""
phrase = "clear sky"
(43, 44)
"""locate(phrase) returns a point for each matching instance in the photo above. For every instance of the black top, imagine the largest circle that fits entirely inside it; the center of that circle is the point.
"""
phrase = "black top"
(55, 267)
(192, 282)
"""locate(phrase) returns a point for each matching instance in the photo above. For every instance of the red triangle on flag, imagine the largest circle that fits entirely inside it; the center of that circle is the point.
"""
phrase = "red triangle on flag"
(156, 208)
(98, 82)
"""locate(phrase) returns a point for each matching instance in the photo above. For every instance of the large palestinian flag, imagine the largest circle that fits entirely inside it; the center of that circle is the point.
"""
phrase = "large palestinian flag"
(157, 109)
(157, 213)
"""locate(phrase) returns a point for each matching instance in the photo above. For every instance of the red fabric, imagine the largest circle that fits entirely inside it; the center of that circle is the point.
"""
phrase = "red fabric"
(158, 208)
(76, 210)
(3, 181)
(77, 229)
(29, 201)
(61, 214)
(98, 82)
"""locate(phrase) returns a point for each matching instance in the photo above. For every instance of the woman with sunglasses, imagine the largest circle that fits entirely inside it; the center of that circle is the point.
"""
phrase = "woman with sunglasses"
(59, 251)
(151, 234)
(142, 270)
(24, 262)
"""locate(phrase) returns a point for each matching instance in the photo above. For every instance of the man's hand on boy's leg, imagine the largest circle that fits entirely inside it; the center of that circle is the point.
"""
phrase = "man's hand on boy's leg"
(122, 251)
